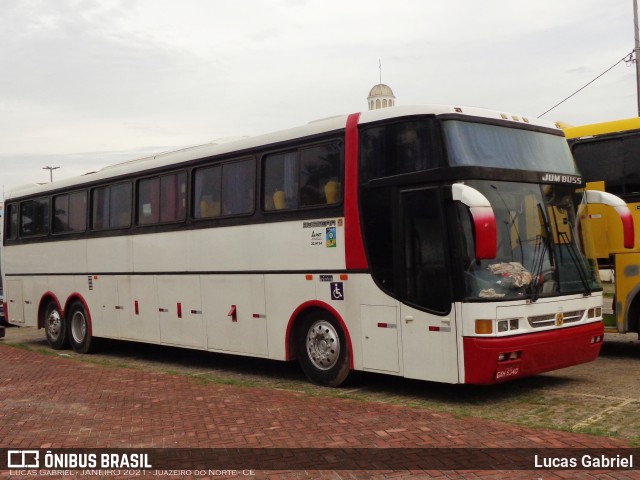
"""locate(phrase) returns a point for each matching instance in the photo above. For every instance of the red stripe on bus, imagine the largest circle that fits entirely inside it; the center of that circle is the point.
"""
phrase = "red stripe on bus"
(354, 247)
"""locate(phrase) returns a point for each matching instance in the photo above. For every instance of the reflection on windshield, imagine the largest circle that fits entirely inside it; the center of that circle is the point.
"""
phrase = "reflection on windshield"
(540, 247)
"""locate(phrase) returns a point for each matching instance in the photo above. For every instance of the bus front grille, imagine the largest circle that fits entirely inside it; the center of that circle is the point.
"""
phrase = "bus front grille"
(550, 319)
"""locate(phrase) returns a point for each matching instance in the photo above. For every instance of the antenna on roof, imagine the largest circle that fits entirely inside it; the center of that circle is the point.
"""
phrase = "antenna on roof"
(380, 68)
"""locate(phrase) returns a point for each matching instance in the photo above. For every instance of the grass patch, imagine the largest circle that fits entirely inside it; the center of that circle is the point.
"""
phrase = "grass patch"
(609, 320)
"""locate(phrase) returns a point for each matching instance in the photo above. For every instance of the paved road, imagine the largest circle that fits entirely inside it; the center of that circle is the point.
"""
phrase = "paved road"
(49, 402)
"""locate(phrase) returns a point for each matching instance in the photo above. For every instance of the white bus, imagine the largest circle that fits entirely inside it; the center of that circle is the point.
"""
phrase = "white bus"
(430, 242)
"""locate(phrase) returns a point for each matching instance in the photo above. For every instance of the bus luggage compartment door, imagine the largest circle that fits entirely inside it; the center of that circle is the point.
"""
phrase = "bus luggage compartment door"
(233, 308)
(15, 302)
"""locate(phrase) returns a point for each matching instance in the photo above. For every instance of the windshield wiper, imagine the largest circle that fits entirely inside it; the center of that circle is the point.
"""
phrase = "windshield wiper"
(573, 253)
(538, 261)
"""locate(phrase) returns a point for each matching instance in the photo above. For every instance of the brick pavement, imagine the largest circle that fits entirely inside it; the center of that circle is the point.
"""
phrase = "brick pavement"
(49, 401)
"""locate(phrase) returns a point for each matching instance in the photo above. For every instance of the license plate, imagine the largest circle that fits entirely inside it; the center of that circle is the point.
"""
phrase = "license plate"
(507, 372)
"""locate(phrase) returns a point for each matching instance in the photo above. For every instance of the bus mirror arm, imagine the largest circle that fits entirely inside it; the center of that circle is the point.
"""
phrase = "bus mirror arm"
(484, 219)
(604, 198)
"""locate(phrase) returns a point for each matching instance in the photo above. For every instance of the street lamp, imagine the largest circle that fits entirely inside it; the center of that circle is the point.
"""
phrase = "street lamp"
(51, 169)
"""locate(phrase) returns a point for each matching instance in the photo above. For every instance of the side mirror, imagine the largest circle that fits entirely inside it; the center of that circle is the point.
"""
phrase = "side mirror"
(484, 220)
(604, 198)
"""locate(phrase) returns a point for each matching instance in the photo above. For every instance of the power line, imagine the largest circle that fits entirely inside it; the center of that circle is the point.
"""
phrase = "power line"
(627, 58)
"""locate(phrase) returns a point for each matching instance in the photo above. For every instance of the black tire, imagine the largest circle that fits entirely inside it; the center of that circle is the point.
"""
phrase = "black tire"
(323, 349)
(55, 326)
(79, 328)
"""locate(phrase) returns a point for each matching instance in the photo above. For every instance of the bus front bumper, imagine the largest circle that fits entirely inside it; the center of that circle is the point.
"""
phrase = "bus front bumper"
(535, 352)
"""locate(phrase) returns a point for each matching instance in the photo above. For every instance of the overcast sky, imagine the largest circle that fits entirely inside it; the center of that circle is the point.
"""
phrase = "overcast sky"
(86, 83)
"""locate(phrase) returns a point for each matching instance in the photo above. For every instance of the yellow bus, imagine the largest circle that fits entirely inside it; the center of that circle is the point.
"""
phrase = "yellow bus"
(608, 156)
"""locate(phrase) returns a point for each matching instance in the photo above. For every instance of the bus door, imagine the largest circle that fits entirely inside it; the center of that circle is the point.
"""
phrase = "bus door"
(427, 315)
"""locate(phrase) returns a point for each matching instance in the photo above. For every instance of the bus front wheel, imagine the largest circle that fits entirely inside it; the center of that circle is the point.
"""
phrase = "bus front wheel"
(80, 329)
(55, 326)
(323, 350)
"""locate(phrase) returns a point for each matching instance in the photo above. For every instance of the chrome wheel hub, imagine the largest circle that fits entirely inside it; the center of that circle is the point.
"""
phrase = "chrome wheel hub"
(54, 324)
(323, 345)
(78, 327)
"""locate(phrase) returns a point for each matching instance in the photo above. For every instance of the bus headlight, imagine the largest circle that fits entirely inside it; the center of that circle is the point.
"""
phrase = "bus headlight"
(506, 325)
(595, 312)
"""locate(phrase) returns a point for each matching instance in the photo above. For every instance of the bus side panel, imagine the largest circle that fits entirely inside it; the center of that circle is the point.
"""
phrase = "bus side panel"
(284, 293)
(118, 251)
(164, 252)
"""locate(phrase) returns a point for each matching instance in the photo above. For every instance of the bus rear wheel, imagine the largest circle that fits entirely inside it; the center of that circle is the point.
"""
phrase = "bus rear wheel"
(55, 326)
(80, 329)
(323, 350)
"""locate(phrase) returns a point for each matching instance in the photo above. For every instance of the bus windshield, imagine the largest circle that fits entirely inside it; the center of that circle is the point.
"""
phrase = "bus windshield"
(613, 160)
(480, 144)
(540, 243)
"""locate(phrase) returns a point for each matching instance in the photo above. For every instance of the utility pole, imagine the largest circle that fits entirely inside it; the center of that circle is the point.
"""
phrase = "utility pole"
(51, 169)
(636, 51)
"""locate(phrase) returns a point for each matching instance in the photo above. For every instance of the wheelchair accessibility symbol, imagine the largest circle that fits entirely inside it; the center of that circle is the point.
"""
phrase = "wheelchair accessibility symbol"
(337, 292)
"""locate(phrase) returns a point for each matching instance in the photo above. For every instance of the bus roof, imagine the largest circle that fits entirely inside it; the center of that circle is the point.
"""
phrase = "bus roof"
(593, 129)
(241, 144)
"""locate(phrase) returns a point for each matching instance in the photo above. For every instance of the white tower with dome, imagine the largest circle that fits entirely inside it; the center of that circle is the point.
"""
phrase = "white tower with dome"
(381, 96)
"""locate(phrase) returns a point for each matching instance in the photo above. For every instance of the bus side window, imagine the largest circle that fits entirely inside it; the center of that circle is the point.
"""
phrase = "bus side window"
(319, 175)
(34, 217)
(377, 222)
(120, 207)
(162, 199)
(424, 252)
(281, 181)
(12, 221)
(207, 191)
(111, 206)
(70, 213)
(238, 187)
(173, 197)
(148, 201)
(307, 177)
